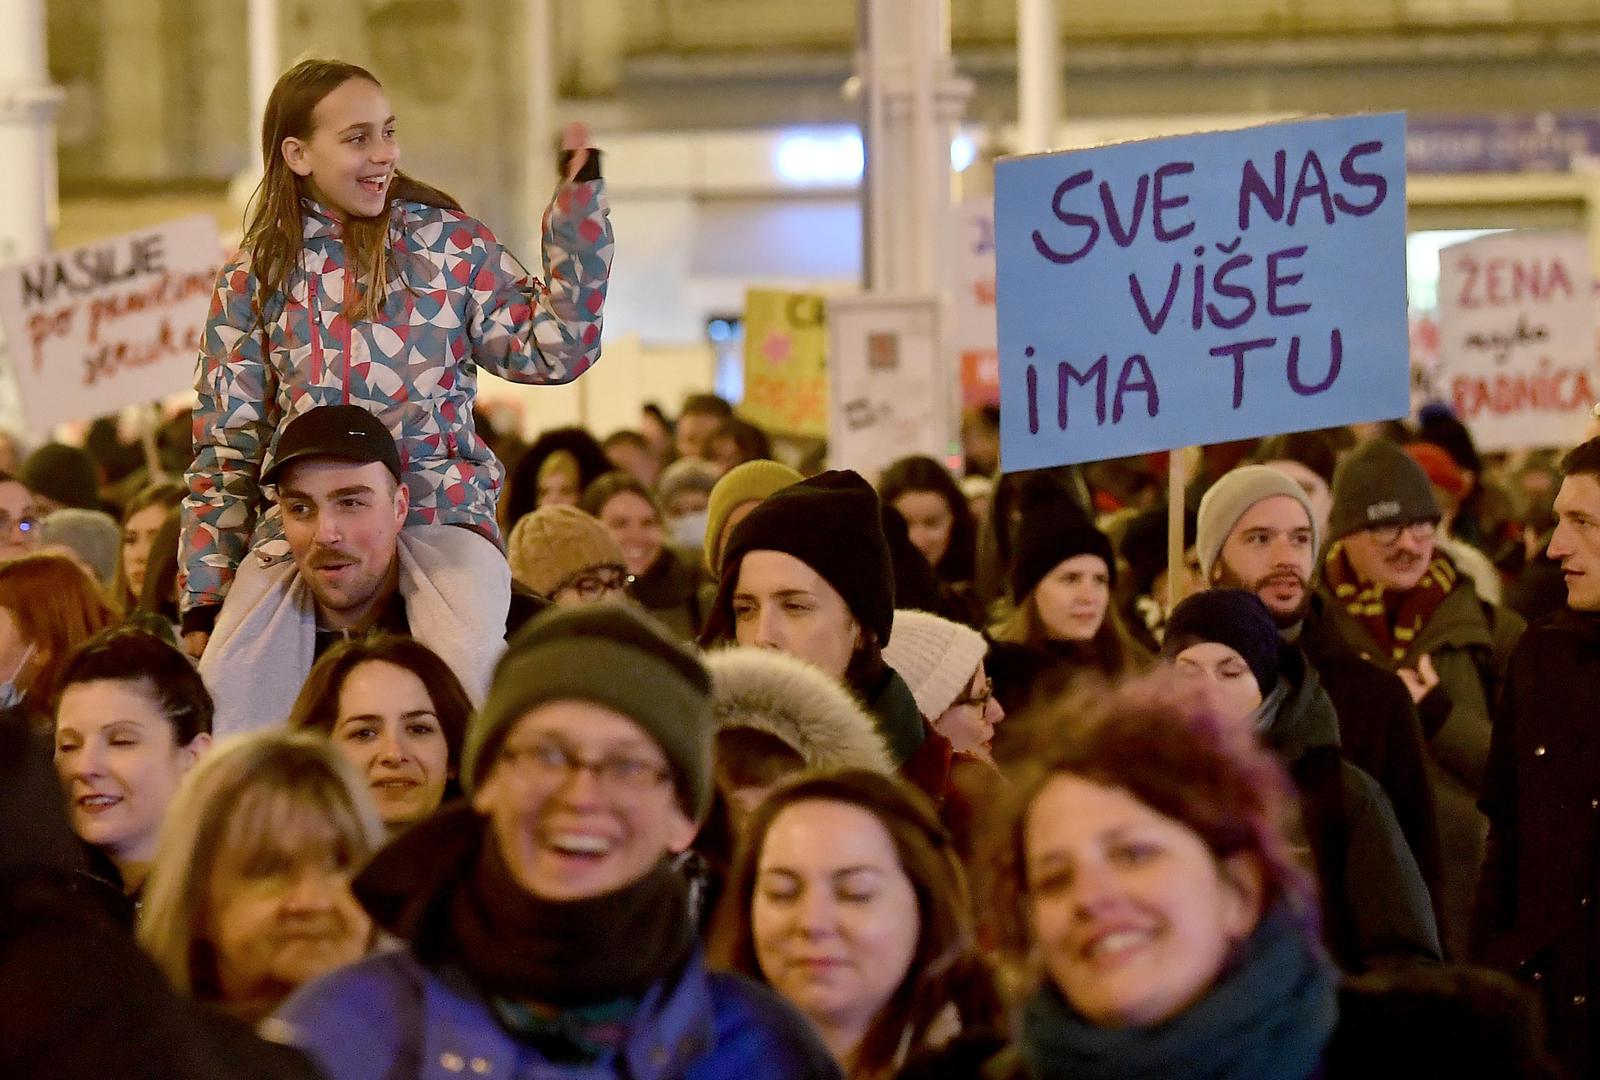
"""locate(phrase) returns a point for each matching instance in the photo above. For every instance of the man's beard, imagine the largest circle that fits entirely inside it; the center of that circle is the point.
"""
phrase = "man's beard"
(1227, 579)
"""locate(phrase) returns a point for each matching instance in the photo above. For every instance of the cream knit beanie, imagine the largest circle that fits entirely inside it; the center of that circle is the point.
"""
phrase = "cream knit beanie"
(936, 658)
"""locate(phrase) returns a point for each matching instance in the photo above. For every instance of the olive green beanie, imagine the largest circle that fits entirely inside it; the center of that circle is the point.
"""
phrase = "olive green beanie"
(610, 655)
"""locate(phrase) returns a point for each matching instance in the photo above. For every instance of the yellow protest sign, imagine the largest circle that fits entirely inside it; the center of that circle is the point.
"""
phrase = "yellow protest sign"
(786, 362)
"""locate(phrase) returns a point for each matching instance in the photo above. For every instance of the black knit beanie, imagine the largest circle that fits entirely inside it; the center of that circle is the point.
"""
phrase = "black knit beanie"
(1144, 545)
(1046, 539)
(1231, 617)
(833, 523)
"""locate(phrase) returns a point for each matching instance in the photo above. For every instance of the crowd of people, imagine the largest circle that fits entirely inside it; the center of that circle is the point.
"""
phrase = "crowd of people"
(380, 746)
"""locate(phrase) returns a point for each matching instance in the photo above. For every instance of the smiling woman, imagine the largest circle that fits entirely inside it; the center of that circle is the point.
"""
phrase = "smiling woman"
(1146, 879)
(848, 900)
(132, 718)
(397, 713)
(546, 928)
(250, 894)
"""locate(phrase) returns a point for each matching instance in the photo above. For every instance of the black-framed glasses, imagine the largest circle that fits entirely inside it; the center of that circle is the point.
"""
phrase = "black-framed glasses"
(552, 764)
(981, 699)
(1387, 535)
(596, 583)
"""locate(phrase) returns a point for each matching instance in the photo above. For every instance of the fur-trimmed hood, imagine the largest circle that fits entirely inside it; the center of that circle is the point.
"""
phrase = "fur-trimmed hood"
(794, 701)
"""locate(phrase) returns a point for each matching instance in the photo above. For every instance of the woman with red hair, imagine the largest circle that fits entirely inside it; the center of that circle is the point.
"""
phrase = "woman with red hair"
(49, 605)
(1148, 879)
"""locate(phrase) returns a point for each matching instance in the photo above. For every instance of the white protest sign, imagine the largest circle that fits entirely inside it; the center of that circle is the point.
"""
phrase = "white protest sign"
(110, 324)
(1517, 319)
(889, 394)
(973, 333)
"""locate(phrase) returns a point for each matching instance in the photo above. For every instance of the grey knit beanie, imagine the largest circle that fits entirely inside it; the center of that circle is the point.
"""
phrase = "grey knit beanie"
(1231, 497)
(1379, 484)
(95, 537)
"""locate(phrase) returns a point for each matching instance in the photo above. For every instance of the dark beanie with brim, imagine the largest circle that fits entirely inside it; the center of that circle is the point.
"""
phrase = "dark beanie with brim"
(1046, 539)
(833, 523)
(613, 656)
(1231, 617)
(1379, 484)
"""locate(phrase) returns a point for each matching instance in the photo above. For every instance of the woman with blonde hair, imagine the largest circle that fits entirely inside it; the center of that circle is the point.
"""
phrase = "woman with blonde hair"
(249, 897)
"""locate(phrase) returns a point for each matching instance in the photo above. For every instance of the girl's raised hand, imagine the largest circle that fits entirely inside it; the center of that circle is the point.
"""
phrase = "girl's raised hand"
(575, 137)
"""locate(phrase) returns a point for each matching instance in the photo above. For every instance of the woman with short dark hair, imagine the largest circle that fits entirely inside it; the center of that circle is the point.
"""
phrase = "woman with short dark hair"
(131, 719)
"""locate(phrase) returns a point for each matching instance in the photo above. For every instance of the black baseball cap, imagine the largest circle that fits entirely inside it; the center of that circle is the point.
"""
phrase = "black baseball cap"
(348, 432)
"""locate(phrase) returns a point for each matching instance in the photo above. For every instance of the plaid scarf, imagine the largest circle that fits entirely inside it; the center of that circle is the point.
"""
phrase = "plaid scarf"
(1392, 619)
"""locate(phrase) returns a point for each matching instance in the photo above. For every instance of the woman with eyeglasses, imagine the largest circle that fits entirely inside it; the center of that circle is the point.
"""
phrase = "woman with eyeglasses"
(942, 662)
(19, 519)
(567, 557)
(546, 929)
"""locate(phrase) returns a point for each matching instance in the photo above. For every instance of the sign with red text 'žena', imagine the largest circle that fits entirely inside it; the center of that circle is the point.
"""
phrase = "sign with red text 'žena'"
(1517, 338)
(114, 323)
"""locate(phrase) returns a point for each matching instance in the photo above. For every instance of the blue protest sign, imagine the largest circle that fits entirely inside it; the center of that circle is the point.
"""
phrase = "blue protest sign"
(1197, 289)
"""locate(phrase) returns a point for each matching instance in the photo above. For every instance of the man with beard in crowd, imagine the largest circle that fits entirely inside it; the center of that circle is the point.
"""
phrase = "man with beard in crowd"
(1257, 531)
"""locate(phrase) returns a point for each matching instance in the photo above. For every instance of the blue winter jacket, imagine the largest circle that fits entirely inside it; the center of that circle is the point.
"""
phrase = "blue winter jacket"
(390, 1018)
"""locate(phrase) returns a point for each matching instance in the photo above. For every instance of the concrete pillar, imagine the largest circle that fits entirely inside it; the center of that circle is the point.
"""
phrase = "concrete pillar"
(264, 63)
(1038, 74)
(913, 99)
(540, 135)
(135, 105)
(28, 104)
(595, 35)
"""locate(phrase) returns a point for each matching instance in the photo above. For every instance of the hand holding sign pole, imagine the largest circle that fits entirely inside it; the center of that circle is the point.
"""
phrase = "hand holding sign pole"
(1174, 292)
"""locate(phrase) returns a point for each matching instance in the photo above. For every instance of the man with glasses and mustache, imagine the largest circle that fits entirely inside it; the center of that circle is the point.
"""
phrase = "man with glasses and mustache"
(1399, 600)
(1258, 531)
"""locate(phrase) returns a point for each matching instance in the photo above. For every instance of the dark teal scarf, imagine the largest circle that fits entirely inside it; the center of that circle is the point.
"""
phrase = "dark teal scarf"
(1268, 1017)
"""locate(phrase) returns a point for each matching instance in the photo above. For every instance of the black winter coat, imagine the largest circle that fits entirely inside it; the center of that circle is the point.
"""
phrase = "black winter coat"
(1376, 908)
(1536, 911)
(78, 999)
(1380, 734)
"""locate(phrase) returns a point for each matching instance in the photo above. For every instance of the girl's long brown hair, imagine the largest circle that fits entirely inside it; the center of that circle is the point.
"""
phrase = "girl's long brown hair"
(273, 235)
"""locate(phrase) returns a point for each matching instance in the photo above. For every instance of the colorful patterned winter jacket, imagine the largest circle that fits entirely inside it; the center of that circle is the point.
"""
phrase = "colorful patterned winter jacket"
(456, 301)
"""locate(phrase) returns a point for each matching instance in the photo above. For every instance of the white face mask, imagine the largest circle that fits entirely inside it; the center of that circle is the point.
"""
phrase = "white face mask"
(690, 530)
(10, 695)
